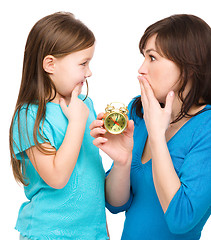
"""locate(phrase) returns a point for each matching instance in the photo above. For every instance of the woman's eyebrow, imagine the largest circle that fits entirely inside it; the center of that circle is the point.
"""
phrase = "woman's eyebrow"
(150, 50)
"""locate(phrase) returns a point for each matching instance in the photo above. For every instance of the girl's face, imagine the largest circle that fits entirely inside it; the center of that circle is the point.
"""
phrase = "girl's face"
(161, 73)
(70, 71)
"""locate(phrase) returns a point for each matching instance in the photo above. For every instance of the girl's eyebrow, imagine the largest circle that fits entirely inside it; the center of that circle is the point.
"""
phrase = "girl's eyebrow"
(86, 59)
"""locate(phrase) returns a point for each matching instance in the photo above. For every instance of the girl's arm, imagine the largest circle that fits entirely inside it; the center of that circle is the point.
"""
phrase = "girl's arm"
(56, 169)
(157, 121)
(119, 148)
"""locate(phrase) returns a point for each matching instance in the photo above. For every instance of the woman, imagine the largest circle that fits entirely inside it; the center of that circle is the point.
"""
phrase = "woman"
(164, 183)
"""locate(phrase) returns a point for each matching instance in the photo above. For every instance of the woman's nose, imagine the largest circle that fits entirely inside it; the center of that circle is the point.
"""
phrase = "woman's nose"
(143, 69)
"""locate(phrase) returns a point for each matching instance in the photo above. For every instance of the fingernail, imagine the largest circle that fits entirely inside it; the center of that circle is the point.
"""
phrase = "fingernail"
(103, 130)
(171, 93)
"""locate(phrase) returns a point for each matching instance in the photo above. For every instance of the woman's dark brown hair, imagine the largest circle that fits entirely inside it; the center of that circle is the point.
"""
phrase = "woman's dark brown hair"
(58, 34)
(185, 40)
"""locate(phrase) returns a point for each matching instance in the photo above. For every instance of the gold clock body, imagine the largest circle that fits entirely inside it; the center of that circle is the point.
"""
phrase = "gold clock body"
(115, 119)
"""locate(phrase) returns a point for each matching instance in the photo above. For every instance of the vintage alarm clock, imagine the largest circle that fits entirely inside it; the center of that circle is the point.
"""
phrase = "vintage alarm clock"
(115, 118)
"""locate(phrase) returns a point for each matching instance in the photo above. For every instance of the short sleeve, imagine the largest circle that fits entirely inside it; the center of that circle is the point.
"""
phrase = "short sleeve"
(193, 199)
(23, 131)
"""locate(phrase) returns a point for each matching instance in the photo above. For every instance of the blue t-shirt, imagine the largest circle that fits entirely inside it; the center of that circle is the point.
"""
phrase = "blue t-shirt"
(76, 211)
(188, 211)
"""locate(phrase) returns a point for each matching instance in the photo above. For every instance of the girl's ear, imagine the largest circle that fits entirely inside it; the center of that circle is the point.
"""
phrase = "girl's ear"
(49, 63)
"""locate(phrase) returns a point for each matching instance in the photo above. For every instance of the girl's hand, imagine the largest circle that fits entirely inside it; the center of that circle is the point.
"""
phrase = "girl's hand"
(118, 147)
(77, 110)
(157, 119)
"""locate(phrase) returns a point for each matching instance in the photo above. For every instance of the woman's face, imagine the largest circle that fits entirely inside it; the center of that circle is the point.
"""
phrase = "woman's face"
(162, 74)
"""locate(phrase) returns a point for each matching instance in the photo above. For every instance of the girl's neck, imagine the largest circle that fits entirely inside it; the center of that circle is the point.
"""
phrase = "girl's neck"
(58, 97)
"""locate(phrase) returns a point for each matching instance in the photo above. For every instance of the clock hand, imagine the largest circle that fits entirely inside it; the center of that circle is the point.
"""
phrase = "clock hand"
(114, 121)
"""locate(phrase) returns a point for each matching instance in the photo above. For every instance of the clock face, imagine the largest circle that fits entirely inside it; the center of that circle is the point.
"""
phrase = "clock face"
(115, 123)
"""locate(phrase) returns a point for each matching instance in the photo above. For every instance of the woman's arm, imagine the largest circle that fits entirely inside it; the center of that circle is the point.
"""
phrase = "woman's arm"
(56, 169)
(184, 199)
(157, 120)
(165, 177)
(117, 185)
(119, 148)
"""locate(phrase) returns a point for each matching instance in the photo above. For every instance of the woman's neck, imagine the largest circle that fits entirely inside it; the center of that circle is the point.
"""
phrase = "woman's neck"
(177, 106)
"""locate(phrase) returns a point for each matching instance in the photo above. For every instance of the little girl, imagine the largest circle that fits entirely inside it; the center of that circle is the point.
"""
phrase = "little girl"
(51, 148)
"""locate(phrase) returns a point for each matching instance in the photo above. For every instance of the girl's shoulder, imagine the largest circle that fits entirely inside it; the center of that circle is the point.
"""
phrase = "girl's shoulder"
(26, 110)
(88, 101)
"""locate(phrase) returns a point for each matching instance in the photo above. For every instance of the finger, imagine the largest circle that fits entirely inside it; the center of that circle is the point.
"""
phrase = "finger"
(95, 124)
(139, 79)
(100, 116)
(169, 102)
(130, 128)
(63, 105)
(131, 125)
(149, 95)
(147, 89)
(99, 141)
(76, 91)
(144, 99)
(97, 132)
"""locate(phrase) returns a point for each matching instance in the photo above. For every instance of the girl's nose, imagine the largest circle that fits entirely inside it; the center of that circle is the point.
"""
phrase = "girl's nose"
(88, 73)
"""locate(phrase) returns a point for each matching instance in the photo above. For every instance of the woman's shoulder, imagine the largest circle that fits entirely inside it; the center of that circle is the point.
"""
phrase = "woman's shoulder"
(200, 125)
(134, 99)
(203, 118)
(132, 108)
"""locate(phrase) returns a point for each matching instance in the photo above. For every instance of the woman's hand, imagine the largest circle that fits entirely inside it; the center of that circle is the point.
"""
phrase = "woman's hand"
(118, 147)
(76, 111)
(157, 119)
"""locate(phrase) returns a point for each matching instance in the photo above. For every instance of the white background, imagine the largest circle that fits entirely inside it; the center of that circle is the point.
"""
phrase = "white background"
(118, 26)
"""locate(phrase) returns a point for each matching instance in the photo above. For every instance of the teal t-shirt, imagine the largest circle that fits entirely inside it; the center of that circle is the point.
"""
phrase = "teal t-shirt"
(76, 211)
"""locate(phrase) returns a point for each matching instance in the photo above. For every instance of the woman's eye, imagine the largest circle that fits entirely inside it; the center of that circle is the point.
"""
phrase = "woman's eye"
(152, 58)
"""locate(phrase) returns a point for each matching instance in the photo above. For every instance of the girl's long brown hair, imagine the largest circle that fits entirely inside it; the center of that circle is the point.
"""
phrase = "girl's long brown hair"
(58, 34)
(185, 40)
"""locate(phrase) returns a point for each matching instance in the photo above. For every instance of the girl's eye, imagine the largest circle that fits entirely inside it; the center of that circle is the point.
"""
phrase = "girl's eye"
(84, 64)
(152, 58)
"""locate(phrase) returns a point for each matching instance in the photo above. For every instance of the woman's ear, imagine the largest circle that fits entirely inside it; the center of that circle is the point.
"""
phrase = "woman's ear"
(49, 64)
